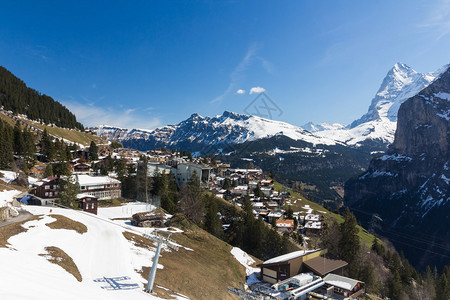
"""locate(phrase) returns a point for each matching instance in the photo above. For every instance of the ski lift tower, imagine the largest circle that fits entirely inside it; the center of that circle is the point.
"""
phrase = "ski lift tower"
(159, 239)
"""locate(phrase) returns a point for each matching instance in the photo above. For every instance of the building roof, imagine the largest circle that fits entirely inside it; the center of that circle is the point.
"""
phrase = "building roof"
(289, 256)
(341, 281)
(285, 223)
(313, 225)
(324, 264)
(92, 180)
(312, 217)
(81, 196)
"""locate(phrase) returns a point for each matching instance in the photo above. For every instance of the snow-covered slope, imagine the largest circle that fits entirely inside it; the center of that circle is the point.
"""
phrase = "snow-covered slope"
(380, 122)
(312, 127)
(100, 252)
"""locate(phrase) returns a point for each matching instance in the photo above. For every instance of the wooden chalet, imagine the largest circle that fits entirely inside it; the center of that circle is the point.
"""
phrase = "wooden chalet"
(47, 187)
(87, 203)
(148, 219)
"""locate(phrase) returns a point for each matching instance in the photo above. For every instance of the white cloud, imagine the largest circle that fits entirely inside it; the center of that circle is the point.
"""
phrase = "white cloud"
(92, 115)
(240, 91)
(257, 89)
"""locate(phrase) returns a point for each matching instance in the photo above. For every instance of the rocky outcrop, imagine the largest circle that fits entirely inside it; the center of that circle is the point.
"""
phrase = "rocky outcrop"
(408, 187)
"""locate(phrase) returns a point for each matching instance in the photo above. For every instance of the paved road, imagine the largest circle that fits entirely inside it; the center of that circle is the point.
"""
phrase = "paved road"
(23, 215)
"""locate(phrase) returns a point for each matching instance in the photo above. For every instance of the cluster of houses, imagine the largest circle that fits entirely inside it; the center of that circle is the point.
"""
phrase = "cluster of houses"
(306, 274)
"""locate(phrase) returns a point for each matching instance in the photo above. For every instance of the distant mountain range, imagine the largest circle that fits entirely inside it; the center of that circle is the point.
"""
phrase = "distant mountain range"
(197, 133)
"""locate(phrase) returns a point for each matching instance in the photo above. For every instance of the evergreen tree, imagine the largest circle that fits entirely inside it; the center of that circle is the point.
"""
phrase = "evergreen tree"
(143, 183)
(6, 145)
(61, 169)
(69, 189)
(19, 143)
(120, 168)
(395, 286)
(48, 171)
(93, 151)
(212, 220)
(443, 288)
(191, 204)
(349, 244)
(47, 146)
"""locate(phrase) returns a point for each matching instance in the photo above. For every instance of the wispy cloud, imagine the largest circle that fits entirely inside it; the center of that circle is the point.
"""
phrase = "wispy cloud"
(240, 91)
(257, 90)
(237, 74)
(438, 21)
(92, 115)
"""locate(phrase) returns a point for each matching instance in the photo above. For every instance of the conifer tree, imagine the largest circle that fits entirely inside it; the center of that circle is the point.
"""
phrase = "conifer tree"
(69, 189)
(19, 143)
(349, 244)
(93, 151)
(48, 171)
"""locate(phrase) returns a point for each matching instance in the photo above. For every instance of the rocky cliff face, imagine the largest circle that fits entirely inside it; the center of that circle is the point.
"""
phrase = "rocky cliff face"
(408, 188)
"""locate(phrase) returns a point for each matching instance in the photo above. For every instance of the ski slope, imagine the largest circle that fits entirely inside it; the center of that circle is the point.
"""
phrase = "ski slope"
(100, 252)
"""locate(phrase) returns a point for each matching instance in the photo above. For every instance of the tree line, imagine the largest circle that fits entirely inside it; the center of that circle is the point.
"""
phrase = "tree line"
(15, 96)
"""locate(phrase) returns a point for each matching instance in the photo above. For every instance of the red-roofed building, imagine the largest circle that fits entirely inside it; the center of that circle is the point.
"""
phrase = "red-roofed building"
(285, 225)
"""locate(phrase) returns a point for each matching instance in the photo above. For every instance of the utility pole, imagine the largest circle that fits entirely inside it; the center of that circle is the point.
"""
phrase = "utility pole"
(159, 240)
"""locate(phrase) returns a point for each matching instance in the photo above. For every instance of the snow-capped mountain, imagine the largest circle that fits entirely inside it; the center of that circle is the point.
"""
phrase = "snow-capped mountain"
(380, 122)
(196, 132)
(408, 187)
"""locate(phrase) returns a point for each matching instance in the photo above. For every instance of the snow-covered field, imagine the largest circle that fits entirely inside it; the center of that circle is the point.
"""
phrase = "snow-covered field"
(9, 176)
(100, 253)
(7, 196)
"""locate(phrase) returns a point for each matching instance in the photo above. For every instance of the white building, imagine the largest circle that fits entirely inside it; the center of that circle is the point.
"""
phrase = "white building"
(102, 187)
(186, 170)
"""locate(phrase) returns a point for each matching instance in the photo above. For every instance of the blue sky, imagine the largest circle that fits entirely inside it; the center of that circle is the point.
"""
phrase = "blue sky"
(145, 64)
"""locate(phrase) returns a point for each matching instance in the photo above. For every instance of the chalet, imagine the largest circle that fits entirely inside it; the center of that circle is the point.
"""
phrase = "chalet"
(37, 171)
(81, 168)
(47, 187)
(87, 203)
(102, 187)
(148, 219)
(240, 190)
(274, 215)
(344, 286)
(313, 227)
(284, 225)
(288, 265)
(313, 217)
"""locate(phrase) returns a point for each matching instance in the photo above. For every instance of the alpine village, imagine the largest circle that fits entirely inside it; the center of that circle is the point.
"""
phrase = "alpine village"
(234, 206)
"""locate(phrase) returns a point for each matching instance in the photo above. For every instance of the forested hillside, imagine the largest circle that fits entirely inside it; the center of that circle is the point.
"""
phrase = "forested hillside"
(18, 98)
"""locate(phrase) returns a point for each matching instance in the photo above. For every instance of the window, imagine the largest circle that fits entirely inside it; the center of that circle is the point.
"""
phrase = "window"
(47, 187)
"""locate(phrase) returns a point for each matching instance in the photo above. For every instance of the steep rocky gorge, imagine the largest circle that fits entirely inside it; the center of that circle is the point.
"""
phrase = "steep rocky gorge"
(405, 193)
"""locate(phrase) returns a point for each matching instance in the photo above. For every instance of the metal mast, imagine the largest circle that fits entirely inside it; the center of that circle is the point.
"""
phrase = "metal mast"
(159, 240)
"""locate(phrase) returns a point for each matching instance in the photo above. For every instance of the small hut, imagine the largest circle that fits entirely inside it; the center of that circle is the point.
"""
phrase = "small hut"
(148, 219)
(87, 203)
